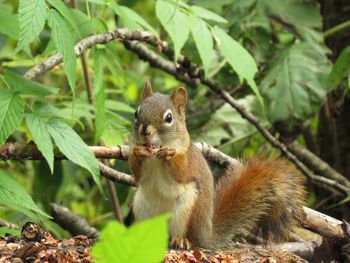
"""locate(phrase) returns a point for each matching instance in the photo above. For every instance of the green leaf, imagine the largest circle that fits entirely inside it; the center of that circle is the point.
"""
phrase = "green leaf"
(32, 17)
(9, 25)
(52, 184)
(175, 22)
(204, 41)
(119, 106)
(38, 128)
(296, 13)
(74, 148)
(128, 14)
(26, 86)
(65, 12)
(6, 230)
(234, 132)
(13, 194)
(239, 59)
(206, 14)
(65, 45)
(85, 24)
(144, 242)
(99, 2)
(100, 98)
(340, 70)
(11, 113)
(294, 85)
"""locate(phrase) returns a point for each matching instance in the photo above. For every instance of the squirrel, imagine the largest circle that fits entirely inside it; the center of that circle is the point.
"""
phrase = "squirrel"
(262, 197)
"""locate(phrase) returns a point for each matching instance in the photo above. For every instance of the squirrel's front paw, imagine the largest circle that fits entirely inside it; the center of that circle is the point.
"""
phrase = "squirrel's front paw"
(180, 243)
(141, 151)
(166, 153)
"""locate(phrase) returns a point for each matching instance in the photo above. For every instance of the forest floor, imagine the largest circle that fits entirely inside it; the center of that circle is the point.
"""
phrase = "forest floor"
(36, 245)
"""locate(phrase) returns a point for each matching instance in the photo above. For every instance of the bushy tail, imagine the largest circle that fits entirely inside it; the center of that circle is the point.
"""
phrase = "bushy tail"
(262, 198)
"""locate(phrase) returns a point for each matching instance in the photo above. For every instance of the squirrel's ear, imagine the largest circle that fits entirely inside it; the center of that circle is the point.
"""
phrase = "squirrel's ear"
(179, 97)
(147, 90)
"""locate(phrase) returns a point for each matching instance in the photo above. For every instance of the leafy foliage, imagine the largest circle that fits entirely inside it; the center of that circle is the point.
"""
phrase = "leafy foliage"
(340, 70)
(240, 60)
(41, 136)
(5, 230)
(262, 51)
(294, 83)
(175, 22)
(64, 43)
(72, 146)
(204, 42)
(100, 96)
(14, 195)
(64, 12)
(32, 17)
(9, 25)
(27, 87)
(143, 242)
(11, 113)
(131, 19)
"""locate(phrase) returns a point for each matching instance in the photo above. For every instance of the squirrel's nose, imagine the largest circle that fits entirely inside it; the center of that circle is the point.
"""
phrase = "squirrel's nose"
(145, 129)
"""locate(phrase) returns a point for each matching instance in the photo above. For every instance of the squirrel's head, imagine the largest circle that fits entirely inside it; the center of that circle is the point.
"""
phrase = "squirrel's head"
(160, 119)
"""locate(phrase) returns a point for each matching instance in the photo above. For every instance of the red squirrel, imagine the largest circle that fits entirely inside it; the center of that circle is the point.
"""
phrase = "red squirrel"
(262, 197)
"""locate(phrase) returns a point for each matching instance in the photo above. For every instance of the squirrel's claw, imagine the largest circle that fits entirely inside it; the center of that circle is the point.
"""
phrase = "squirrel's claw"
(166, 153)
(180, 243)
(141, 151)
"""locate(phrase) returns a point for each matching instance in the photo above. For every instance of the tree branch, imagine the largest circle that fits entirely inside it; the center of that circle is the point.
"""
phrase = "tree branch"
(316, 163)
(117, 176)
(86, 43)
(160, 63)
(185, 66)
(70, 221)
(4, 223)
(157, 62)
(17, 151)
(315, 221)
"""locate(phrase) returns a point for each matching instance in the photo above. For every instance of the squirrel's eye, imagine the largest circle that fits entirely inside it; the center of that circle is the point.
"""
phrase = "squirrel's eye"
(168, 118)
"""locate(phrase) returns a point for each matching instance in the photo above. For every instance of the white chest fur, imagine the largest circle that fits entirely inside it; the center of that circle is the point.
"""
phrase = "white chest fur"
(159, 193)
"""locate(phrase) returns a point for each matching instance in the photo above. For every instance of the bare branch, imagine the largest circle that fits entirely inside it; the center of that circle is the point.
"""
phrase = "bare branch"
(70, 221)
(117, 176)
(18, 151)
(317, 164)
(86, 43)
(4, 223)
(158, 62)
(323, 224)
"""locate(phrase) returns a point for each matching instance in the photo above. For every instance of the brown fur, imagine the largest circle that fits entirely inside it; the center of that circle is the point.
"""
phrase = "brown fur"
(178, 167)
(199, 227)
(266, 199)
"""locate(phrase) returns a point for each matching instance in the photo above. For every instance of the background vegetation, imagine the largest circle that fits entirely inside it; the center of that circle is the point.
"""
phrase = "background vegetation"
(286, 61)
